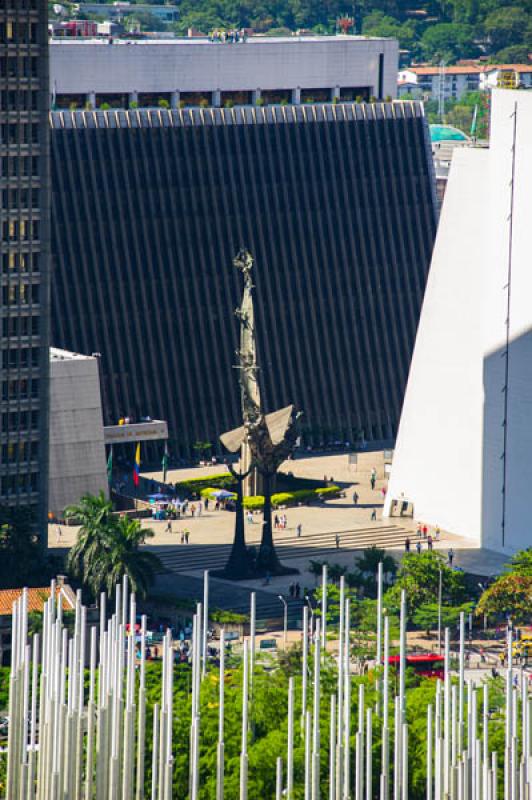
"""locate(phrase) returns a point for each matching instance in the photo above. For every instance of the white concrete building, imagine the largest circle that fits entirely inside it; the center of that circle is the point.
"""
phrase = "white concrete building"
(200, 72)
(425, 82)
(463, 452)
(77, 450)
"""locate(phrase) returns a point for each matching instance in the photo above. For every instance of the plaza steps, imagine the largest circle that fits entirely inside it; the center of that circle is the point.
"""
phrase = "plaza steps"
(191, 557)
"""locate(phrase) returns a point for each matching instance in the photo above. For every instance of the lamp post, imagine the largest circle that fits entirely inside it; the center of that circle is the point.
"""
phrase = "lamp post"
(285, 622)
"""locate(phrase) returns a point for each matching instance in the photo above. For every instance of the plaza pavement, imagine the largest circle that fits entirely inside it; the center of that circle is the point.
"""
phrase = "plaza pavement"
(212, 533)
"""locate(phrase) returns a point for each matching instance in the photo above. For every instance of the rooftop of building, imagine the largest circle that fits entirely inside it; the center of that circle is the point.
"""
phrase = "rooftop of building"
(205, 40)
(56, 354)
(239, 115)
(468, 70)
(37, 597)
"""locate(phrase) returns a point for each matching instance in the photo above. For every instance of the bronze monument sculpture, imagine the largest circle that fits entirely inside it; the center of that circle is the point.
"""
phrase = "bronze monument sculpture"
(264, 442)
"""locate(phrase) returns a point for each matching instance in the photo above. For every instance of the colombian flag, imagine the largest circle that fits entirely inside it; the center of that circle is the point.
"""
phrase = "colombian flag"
(136, 467)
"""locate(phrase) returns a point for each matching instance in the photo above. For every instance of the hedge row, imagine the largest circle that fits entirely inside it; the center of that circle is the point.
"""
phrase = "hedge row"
(222, 481)
(256, 502)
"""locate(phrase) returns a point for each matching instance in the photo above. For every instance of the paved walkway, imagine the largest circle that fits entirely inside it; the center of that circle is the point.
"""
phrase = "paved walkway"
(212, 533)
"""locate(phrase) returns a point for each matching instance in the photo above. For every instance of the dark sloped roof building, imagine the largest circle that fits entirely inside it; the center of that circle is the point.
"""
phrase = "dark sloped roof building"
(336, 204)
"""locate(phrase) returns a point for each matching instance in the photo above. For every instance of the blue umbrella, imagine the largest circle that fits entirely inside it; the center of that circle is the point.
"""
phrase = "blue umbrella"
(223, 494)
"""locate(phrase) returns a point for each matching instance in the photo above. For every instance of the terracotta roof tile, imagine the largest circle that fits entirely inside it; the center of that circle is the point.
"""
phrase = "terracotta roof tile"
(467, 70)
(36, 598)
(448, 70)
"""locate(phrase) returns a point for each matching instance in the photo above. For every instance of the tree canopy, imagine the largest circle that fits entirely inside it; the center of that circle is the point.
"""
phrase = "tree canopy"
(108, 547)
(511, 593)
(22, 560)
(419, 575)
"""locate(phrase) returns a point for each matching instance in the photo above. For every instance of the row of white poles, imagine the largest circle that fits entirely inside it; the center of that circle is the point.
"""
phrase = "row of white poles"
(77, 714)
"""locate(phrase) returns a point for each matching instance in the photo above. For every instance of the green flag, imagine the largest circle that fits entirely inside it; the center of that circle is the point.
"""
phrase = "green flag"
(110, 466)
(164, 463)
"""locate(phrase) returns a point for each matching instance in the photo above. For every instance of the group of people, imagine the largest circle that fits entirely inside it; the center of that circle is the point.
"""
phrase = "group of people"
(231, 36)
(294, 590)
(430, 543)
(184, 534)
(280, 522)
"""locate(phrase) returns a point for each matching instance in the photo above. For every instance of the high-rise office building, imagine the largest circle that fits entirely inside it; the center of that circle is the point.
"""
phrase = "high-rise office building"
(24, 246)
(334, 201)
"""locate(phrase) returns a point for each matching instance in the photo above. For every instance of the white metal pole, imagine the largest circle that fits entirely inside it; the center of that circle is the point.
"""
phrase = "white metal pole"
(290, 745)
(205, 631)
(245, 722)
(324, 608)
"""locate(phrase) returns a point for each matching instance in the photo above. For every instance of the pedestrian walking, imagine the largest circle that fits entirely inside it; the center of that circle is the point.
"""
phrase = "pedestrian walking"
(429, 542)
(168, 527)
(291, 589)
(297, 590)
(418, 546)
(206, 504)
(372, 481)
(250, 517)
(276, 521)
(337, 540)
(299, 529)
(182, 538)
(374, 515)
(450, 556)
(437, 533)
(187, 534)
(418, 530)
(355, 498)
(407, 545)
(58, 534)
(383, 492)
(425, 531)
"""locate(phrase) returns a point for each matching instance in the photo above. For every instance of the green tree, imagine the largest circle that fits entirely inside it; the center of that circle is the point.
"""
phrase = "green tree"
(515, 54)
(107, 548)
(510, 595)
(419, 575)
(22, 559)
(426, 616)
(447, 41)
(366, 568)
(92, 513)
(377, 23)
(506, 26)
(521, 564)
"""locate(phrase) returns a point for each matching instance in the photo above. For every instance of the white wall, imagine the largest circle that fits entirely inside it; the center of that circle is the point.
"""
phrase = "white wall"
(450, 440)
(77, 451)
(81, 67)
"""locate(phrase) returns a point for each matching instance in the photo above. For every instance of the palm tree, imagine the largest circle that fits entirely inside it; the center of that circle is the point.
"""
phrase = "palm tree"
(367, 566)
(108, 548)
(370, 559)
(93, 513)
(121, 556)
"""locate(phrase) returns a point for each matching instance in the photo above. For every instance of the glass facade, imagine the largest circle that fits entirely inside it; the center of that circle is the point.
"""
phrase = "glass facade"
(336, 204)
(24, 242)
